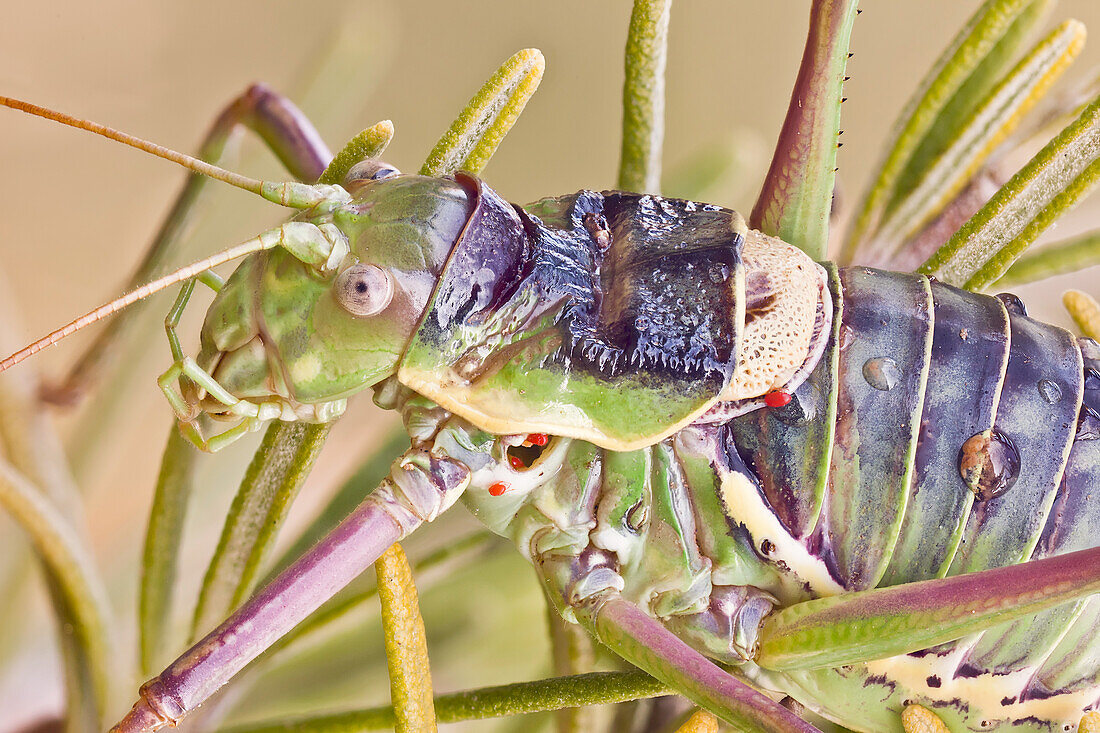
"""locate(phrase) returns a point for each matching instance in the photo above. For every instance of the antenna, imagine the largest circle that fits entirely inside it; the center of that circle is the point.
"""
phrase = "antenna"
(255, 244)
(292, 194)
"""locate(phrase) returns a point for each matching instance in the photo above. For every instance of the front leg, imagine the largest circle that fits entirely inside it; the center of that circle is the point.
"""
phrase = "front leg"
(421, 486)
(284, 129)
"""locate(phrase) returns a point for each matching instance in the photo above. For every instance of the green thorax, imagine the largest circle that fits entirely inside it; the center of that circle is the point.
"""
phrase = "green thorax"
(613, 318)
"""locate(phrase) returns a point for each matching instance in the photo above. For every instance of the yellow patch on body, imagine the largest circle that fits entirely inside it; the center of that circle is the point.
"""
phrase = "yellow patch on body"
(304, 369)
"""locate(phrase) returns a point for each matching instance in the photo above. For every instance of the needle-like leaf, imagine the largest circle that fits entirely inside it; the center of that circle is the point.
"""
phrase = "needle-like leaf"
(644, 97)
(406, 645)
(956, 65)
(797, 196)
(989, 125)
(162, 543)
(44, 499)
(572, 651)
(594, 688)
(959, 111)
(476, 133)
(370, 143)
(701, 721)
(1048, 186)
(369, 474)
(1085, 312)
(454, 554)
(1055, 259)
(273, 479)
(79, 594)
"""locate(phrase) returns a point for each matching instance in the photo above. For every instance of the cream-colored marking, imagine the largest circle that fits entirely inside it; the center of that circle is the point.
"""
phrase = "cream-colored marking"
(775, 345)
(983, 693)
(744, 504)
(918, 719)
(304, 368)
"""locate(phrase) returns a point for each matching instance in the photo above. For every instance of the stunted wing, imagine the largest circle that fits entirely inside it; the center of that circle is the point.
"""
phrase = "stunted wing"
(615, 320)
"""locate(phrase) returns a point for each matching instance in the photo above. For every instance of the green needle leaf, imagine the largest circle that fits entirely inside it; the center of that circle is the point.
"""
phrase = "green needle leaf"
(1056, 259)
(594, 688)
(79, 595)
(1048, 186)
(272, 481)
(990, 124)
(958, 112)
(797, 196)
(369, 474)
(478, 130)
(956, 65)
(573, 651)
(370, 143)
(160, 557)
(406, 645)
(644, 97)
(1085, 312)
(42, 490)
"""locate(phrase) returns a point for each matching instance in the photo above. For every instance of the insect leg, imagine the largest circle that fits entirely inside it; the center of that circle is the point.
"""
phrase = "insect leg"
(322, 246)
(420, 488)
(284, 129)
(874, 624)
(172, 320)
(644, 642)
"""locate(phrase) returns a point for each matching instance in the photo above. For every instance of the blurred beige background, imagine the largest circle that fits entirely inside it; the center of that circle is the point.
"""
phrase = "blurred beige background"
(75, 212)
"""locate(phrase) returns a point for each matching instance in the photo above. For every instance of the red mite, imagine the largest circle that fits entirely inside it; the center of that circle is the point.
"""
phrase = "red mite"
(498, 488)
(777, 398)
(539, 439)
(516, 462)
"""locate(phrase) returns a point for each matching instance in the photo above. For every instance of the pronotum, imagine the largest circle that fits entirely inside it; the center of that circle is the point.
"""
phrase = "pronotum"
(620, 382)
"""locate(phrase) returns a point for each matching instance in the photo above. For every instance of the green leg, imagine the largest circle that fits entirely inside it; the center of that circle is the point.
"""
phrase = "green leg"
(884, 622)
(285, 130)
(172, 320)
(187, 411)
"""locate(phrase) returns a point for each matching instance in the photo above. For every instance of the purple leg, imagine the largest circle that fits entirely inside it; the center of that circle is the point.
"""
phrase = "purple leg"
(645, 643)
(420, 488)
(292, 138)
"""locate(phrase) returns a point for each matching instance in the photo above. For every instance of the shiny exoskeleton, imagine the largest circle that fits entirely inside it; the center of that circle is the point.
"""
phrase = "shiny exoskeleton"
(596, 375)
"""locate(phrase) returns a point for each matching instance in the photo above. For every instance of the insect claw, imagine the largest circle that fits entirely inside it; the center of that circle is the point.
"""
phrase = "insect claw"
(190, 430)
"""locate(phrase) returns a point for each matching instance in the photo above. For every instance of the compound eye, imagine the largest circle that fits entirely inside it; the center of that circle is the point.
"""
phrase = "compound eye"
(364, 290)
(366, 171)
